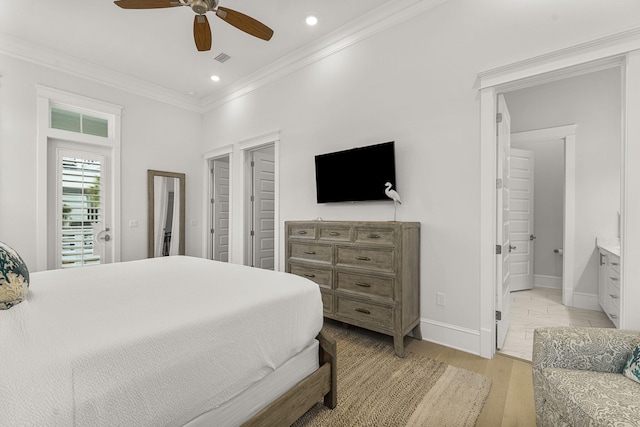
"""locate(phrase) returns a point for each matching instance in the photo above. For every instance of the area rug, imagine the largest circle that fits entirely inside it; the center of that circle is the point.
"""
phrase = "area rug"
(376, 388)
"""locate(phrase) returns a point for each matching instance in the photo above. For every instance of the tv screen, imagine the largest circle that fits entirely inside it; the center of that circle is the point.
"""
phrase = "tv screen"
(358, 174)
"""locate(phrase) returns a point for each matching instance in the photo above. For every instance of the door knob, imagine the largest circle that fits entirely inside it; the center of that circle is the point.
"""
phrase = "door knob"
(511, 248)
(532, 237)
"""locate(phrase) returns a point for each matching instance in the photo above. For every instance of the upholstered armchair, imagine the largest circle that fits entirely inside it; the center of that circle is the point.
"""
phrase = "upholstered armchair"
(577, 377)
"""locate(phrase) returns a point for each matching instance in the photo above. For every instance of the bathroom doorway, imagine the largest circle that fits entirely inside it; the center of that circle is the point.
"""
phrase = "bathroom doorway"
(592, 104)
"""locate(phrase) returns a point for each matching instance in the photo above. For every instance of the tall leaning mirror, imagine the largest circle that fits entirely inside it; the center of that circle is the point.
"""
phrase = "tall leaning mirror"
(166, 212)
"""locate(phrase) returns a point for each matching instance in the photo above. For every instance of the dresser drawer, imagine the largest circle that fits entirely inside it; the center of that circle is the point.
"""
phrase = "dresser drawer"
(327, 301)
(379, 236)
(364, 313)
(335, 233)
(311, 252)
(365, 284)
(319, 275)
(371, 259)
(302, 231)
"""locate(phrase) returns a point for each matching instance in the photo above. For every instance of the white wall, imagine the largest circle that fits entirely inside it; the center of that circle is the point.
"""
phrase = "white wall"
(592, 102)
(416, 84)
(154, 136)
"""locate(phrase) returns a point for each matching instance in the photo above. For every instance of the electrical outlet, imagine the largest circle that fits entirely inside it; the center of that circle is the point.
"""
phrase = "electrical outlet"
(441, 298)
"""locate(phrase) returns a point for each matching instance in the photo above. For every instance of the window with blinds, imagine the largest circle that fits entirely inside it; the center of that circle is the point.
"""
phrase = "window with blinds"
(81, 211)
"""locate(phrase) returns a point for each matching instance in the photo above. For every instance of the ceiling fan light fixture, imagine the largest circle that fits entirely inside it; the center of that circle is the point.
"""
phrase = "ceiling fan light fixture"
(311, 20)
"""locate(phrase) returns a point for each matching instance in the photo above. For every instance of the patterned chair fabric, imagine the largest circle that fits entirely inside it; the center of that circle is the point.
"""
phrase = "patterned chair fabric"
(577, 377)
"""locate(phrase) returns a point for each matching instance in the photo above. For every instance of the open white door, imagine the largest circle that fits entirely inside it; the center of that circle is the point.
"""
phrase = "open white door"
(263, 208)
(521, 219)
(220, 208)
(503, 248)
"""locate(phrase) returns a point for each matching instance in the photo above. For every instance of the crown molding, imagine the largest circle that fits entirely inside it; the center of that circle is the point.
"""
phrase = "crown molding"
(378, 20)
(58, 61)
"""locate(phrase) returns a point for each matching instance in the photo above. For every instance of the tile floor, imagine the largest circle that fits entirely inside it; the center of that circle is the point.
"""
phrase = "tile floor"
(543, 307)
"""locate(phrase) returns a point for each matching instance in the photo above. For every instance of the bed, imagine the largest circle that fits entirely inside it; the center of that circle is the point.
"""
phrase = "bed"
(173, 341)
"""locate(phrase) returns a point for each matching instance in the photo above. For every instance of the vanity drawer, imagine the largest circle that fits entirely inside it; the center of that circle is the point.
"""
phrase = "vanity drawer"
(364, 312)
(614, 264)
(319, 275)
(302, 231)
(365, 284)
(379, 236)
(311, 252)
(335, 233)
(371, 259)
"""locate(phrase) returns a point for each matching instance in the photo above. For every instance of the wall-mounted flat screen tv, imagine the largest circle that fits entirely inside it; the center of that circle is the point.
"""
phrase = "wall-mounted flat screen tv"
(358, 174)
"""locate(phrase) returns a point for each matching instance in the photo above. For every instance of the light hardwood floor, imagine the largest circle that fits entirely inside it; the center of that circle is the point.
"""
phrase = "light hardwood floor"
(510, 402)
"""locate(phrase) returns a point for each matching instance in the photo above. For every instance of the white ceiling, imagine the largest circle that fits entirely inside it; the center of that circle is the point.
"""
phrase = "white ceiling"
(156, 46)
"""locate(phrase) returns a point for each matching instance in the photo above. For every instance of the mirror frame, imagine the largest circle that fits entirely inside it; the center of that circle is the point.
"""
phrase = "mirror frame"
(151, 174)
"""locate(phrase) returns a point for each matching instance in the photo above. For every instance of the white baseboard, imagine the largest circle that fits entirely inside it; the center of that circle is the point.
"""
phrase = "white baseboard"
(542, 281)
(586, 301)
(467, 340)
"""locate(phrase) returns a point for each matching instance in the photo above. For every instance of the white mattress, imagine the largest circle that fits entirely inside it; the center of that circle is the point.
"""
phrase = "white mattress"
(153, 342)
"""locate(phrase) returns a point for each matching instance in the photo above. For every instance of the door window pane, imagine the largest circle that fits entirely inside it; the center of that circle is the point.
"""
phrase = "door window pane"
(81, 211)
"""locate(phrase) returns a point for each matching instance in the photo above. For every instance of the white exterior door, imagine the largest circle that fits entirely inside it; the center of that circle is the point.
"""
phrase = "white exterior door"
(220, 208)
(262, 208)
(521, 187)
(80, 225)
(503, 291)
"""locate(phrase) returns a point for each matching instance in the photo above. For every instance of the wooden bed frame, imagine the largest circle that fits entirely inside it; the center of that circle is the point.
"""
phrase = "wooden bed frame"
(321, 384)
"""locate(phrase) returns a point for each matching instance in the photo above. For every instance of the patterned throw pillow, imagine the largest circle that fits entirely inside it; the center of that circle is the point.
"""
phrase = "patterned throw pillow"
(14, 278)
(632, 368)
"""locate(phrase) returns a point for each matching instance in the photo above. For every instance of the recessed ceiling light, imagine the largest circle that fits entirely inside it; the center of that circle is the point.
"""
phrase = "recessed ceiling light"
(191, 92)
(311, 20)
(215, 78)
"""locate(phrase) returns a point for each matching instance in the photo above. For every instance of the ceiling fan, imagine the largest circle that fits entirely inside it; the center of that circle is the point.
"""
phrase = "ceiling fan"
(201, 29)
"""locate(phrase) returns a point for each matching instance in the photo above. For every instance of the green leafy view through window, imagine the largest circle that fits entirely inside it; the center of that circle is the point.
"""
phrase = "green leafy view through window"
(77, 122)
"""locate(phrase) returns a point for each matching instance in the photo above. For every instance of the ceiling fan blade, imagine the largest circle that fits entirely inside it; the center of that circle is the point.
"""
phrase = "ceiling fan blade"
(202, 33)
(146, 4)
(245, 23)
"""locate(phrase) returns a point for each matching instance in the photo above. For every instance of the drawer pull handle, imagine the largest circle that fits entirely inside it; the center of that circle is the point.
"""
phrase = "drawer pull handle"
(334, 233)
(363, 285)
(302, 232)
(309, 252)
(615, 263)
(614, 296)
(309, 275)
(363, 310)
(363, 258)
(615, 279)
(374, 236)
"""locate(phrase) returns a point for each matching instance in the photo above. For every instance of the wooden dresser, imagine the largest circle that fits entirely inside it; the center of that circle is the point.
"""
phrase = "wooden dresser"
(368, 272)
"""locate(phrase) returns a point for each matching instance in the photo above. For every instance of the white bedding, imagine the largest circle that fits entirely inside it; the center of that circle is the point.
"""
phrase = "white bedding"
(153, 342)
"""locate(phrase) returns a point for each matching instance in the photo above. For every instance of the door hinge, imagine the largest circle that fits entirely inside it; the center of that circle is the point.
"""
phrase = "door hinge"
(253, 163)
(498, 117)
(252, 199)
(211, 171)
(498, 315)
(212, 231)
(253, 233)
(498, 249)
(212, 200)
(499, 183)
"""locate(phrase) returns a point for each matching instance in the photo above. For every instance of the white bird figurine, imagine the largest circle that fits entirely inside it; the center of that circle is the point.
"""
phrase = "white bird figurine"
(392, 194)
